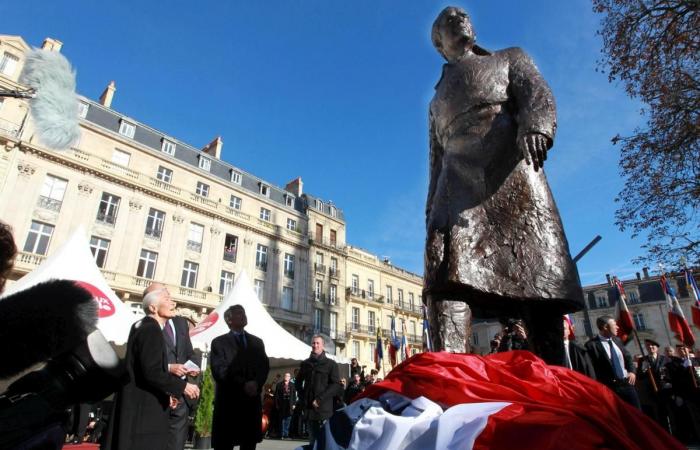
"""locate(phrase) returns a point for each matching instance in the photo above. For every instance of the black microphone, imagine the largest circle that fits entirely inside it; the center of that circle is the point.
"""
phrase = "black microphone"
(43, 321)
(54, 105)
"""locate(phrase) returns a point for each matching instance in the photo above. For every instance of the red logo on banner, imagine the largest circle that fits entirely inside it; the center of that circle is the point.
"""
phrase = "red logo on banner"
(104, 304)
(208, 322)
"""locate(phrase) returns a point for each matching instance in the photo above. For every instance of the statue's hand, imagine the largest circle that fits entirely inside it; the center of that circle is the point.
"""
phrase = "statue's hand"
(534, 149)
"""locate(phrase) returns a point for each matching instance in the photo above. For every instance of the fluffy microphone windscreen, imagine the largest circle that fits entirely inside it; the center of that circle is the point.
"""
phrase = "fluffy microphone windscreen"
(55, 106)
(43, 321)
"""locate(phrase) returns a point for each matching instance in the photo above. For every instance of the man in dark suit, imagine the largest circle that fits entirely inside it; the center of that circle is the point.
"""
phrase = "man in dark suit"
(179, 350)
(575, 356)
(240, 367)
(612, 362)
(142, 412)
(654, 384)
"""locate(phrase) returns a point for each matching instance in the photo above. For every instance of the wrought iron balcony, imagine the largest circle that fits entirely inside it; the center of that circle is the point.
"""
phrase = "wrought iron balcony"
(49, 203)
(261, 265)
(107, 219)
(194, 246)
(319, 268)
(230, 255)
(154, 233)
(333, 272)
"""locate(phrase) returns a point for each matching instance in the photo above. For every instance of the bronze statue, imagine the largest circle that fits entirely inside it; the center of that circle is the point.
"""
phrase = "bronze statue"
(495, 244)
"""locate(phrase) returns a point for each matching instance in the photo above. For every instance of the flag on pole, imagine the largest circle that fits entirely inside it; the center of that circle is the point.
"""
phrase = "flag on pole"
(570, 325)
(695, 295)
(427, 343)
(394, 343)
(378, 350)
(405, 350)
(624, 317)
(676, 319)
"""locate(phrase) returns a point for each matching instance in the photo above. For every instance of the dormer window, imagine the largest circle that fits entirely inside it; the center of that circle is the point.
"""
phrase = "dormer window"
(264, 190)
(318, 204)
(83, 109)
(289, 200)
(127, 128)
(167, 147)
(236, 177)
(334, 212)
(204, 163)
(8, 64)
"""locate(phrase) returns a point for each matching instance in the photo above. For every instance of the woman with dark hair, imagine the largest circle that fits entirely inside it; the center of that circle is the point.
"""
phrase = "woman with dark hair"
(8, 251)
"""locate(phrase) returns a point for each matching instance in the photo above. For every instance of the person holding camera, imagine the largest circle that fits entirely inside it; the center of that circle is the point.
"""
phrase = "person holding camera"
(514, 336)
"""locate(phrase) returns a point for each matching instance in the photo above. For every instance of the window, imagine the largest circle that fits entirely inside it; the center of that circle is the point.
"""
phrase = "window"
(194, 237)
(99, 248)
(264, 190)
(167, 146)
(230, 248)
(412, 328)
(355, 318)
(204, 163)
(400, 299)
(259, 286)
(319, 258)
(372, 348)
(334, 212)
(333, 238)
(8, 64)
(318, 204)
(371, 323)
(289, 265)
(52, 192)
(318, 320)
(291, 224)
(319, 232)
(410, 301)
(265, 214)
(121, 157)
(289, 200)
(226, 282)
(355, 349)
(389, 295)
(287, 298)
(475, 338)
(318, 289)
(164, 174)
(83, 109)
(370, 288)
(235, 202)
(333, 325)
(109, 206)
(261, 258)
(633, 296)
(189, 275)
(38, 238)
(333, 291)
(154, 223)
(126, 128)
(601, 301)
(355, 284)
(639, 323)
(202, 189)
(147, 264)
(334, 267)
(236, 176)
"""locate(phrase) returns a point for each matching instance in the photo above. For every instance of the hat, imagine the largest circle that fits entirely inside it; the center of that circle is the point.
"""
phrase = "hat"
(651, 342)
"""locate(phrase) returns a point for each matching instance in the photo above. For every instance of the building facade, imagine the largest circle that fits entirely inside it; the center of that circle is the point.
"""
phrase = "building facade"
(157, 208)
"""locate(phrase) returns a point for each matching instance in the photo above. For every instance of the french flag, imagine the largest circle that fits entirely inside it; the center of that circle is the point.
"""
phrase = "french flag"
(676, 319)
(510, 400)
(695, 295)
(624, 317)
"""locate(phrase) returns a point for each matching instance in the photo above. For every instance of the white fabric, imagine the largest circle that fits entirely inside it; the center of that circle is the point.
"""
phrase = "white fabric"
(74, 261)
(279, 343)
(422, 424)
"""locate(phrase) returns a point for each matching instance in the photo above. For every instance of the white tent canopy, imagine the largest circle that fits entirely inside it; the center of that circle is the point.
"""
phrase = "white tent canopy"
(74, 261)
(279, 343)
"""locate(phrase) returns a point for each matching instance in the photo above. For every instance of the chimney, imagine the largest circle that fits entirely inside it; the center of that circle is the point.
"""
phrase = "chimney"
(108, 94)
(639, 277)
(295, 187)
(52, 45)
(646, 272)
(607, 277)
(213, 148)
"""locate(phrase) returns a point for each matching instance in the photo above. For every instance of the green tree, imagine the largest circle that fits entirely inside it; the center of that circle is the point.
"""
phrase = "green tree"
(653, 48)
(205, 408)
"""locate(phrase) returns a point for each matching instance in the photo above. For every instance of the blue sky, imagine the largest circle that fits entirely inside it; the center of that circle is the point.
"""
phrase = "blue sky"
(337, 92)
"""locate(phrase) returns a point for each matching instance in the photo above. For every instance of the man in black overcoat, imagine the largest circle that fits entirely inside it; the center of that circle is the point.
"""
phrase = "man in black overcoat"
(176, 333)
(240, 367)
(142, 409)
(575, 356)
(654, 384)
(612, 362)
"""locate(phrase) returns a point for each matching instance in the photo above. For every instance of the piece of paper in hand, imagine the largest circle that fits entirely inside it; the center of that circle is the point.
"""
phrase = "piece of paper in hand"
(190, 366)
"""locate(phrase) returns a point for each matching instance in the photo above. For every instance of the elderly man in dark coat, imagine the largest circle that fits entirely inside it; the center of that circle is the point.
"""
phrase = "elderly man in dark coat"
(495, 243)
(142, 410)
(240, 367)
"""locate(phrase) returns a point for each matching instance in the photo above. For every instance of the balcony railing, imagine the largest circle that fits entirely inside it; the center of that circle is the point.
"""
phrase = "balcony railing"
(324, 241)
(194, 246)
(261, 265)
(333, 272)
(319, 268)
(365, 295)
(289, 274)
(9, 128)
(357, 328)
(154, 233)
(230, 255)
(319, 297)
(49, 203)
(108, 219)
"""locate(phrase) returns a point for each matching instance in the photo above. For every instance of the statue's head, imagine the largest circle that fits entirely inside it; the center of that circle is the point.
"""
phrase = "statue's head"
(453, 33)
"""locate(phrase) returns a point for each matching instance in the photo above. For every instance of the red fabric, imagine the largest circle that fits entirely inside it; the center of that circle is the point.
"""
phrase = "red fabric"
(624, 322)
(680, 327)
(553, 407)
(695, 312)
(392, 355)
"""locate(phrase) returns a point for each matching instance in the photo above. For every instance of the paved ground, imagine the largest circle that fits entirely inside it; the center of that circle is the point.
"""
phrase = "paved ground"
(276, 444)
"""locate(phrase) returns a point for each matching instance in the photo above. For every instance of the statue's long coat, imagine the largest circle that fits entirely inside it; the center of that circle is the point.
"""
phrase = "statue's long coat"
(493, 229)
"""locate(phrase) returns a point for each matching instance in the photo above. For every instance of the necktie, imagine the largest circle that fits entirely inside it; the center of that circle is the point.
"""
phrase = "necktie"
(617, 368)
(241, 340)
(169, 333)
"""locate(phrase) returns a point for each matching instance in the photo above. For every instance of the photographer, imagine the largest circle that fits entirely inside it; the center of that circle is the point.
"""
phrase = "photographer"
(514, 336)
